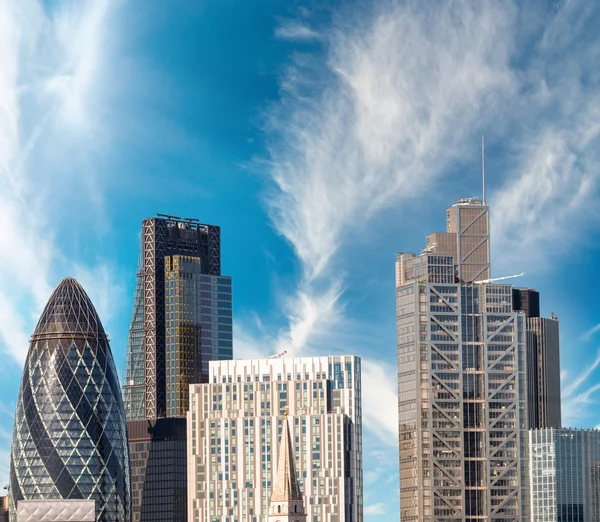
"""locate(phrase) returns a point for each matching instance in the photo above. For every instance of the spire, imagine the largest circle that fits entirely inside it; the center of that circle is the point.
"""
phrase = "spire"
(286, 487)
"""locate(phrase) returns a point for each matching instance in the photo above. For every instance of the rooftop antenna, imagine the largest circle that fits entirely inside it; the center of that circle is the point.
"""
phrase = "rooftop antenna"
(483, 166)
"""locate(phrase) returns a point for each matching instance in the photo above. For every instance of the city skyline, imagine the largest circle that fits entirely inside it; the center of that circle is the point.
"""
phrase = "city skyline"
(321, 139)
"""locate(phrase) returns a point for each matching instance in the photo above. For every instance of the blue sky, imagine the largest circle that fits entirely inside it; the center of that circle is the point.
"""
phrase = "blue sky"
(323, 137)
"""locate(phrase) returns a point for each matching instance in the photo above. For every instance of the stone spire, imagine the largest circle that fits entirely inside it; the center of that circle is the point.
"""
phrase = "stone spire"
(287, 503)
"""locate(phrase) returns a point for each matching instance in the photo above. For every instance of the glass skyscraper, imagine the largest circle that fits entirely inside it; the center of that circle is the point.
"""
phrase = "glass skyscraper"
(565, 470)
(69, 438)
(181, 320)
(462, 398)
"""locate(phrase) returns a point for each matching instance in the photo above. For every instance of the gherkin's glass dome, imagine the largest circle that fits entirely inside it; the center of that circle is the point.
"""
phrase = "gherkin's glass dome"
(69, 438)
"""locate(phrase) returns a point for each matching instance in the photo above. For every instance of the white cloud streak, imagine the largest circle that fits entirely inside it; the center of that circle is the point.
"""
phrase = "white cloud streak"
(405, 91)
(401, 100)
(585, 374)
(546, 203)
(375, 509)
(296, 31)
(578, 402)
(590, 333)
(50, 84)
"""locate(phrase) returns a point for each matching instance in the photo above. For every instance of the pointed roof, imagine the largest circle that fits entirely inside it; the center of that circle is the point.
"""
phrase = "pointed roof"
(286, 485)
(69, 311)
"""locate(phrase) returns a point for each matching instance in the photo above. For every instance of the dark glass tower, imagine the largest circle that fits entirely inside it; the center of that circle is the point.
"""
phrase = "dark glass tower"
(69, 438)
(543, 361)
(181, 320)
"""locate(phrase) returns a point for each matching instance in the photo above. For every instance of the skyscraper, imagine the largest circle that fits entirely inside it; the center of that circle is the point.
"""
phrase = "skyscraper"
(69, 451)
(543, 361)
(461, 380)
(564, 469)
(234, 427)
(181, 320)
(181, 316)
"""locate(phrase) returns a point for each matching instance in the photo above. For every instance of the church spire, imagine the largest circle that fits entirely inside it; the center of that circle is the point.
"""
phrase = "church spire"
(287, 503)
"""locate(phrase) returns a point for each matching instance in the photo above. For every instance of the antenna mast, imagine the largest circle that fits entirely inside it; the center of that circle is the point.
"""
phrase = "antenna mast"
(483, 167)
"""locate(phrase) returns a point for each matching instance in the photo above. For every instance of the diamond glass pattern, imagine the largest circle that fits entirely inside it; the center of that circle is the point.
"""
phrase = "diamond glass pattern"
(69, 437)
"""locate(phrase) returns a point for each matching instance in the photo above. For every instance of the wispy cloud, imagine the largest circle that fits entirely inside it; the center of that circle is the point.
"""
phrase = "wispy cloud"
(375, 509)
(8, 410)
(402, 96)
(539, 211)
(295, 30)
(102, 285)
(578, 395)
(590, 333)
(51, 81)
(578, 380)
(403, 92)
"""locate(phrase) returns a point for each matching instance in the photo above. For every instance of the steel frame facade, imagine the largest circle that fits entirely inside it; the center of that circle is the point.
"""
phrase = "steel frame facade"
(473, 242)
(145, 369)
(462, 403)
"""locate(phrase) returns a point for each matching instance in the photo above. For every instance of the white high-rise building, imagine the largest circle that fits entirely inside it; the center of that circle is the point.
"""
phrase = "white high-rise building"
(235, 424)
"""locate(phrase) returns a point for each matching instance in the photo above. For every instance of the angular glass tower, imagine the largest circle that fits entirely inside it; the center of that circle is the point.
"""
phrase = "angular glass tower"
(181, 320)
(181, 316)
(69, 438)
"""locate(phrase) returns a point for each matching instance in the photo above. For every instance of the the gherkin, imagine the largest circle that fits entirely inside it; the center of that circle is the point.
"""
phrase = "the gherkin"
(69, 437)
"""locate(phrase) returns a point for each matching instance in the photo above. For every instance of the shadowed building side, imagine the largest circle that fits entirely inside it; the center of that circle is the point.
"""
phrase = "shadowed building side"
(543, 361)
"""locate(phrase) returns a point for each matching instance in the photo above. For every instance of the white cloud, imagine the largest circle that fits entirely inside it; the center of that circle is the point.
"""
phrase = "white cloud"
(403, 97)
(578, 402)
(294, 30)
(368, 140)
(101, 284)
(546, 203)
(405, 91)
(7, 409)
(541, 205)
(589, 334)
(581, 378)
(50, 88)
(375, 509)
(379, 401)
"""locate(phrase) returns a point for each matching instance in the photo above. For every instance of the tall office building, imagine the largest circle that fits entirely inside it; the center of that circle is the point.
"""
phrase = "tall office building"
(234, 427)
(543, 361)
(181, 320)
(565, 472)
(69, 457)
(461, 380)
